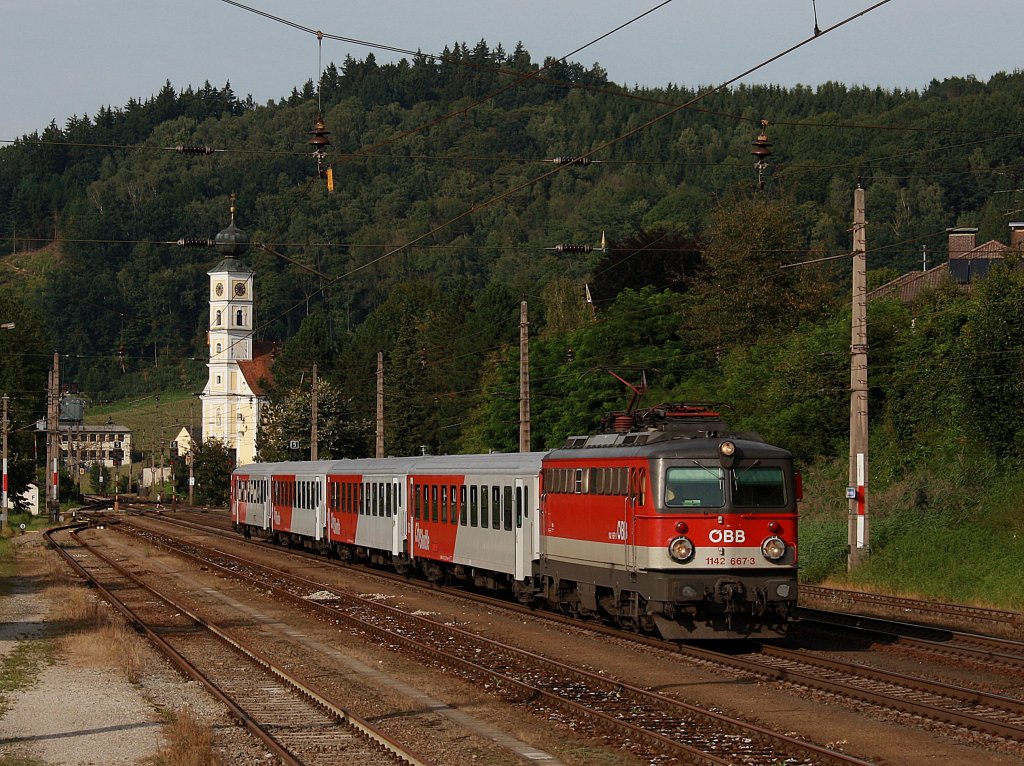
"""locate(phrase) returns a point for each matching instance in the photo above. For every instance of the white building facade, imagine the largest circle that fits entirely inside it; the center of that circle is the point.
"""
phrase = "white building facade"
(233, 394)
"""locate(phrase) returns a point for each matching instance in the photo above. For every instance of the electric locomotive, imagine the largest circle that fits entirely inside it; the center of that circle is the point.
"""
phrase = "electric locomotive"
(668, 523)
(665, 522)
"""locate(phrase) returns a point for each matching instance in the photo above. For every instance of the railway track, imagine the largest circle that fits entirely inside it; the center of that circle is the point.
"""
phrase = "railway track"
(652, 725)
(954, 614)
(1004, 655)
(295, 723)
(960, 707)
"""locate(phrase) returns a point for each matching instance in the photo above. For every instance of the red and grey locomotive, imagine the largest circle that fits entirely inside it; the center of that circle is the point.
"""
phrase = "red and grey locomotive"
(667, 523)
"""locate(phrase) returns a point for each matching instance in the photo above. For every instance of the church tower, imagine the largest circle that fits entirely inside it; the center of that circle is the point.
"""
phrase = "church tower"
(231, 401)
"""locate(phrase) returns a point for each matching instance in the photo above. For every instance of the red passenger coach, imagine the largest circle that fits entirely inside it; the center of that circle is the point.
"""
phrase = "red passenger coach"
(668, 524)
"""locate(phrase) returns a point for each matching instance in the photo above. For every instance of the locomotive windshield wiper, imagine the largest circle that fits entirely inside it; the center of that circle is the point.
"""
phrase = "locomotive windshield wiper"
(736, 474)
(718, 476)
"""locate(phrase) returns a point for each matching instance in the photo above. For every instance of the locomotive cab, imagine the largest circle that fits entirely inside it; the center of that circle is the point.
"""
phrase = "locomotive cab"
(673, 525)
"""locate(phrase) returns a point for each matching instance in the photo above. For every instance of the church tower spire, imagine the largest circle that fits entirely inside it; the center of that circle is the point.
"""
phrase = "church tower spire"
(229, 409)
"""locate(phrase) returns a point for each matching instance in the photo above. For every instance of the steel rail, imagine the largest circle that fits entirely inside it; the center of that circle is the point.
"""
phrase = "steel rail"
(445, 656)
(913, 605)
(364, 729)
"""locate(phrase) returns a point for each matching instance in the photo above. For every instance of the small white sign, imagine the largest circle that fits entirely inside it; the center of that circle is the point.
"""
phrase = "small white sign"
(191, 481)
(293, 444)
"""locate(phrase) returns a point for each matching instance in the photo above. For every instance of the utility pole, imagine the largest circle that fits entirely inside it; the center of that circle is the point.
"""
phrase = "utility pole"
(191, 453)
(313, 434)
(524, 379)
(53, 441)
(858, 540)
(3, 492)
(379, 451)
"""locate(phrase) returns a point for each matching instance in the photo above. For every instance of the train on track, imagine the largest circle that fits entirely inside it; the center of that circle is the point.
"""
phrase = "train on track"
(664, 523)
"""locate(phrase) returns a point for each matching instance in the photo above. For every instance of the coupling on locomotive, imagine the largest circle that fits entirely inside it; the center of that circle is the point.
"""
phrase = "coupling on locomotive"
(666, 522)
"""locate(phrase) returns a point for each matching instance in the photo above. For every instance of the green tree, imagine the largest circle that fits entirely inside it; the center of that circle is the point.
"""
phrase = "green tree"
(213, 463)
(990, 362)
(743, 293)
(288, 419)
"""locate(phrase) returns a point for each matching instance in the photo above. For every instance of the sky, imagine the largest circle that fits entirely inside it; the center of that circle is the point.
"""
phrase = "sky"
(60, 58)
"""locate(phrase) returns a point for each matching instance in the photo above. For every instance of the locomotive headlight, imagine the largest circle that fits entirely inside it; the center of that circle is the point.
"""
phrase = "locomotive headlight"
(728, 449)
(773, 549)
(681, 550)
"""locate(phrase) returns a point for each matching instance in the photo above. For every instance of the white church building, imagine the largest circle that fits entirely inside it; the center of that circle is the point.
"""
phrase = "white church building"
(239, 367)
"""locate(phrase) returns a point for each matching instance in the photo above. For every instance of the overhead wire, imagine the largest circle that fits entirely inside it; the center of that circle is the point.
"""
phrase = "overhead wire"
(558, 168)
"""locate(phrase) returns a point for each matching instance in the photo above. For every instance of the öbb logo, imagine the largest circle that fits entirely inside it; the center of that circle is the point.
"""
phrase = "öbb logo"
(621, 532)
(727, 536)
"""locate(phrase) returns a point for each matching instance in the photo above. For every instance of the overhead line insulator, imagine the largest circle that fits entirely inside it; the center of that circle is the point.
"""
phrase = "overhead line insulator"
(194, 242)
(565, 247)
(181, 149)
(567, 160)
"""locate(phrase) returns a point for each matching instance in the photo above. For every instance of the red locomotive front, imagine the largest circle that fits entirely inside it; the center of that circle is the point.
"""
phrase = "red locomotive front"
(672, 526)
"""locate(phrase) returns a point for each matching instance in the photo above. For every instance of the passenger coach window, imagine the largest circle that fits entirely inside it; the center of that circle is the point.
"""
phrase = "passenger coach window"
(484, 513)
(507, 509)
(496, 508)
(417, 499)
(695, 487)
(758, 486)
(433, 503)
(472, 506)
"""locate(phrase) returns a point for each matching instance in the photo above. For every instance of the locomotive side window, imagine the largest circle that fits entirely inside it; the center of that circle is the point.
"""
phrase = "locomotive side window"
(759, 486)
(695, 487)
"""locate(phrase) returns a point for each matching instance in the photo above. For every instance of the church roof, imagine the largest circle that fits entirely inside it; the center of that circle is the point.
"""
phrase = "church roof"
(232, 265)
(260, 367)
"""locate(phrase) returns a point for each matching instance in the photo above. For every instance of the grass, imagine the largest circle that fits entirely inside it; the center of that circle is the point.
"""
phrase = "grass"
(153, 419)
(951, 532)
(21, 667)
(187, 742)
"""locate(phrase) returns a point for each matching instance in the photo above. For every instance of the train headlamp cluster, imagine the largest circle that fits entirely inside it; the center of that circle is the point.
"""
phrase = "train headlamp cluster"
(681, 550)
(773, 548)
(727, 449)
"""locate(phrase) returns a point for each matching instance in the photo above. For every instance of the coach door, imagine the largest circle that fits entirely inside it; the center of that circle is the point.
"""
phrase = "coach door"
(396, 511)
(522, 520)
(634, 498)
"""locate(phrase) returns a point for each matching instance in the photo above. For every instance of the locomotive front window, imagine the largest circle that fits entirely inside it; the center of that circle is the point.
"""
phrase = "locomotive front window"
(759, 486)
(695, 487)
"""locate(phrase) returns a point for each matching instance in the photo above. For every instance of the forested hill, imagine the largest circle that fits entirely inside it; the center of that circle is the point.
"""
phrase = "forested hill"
(455, 157)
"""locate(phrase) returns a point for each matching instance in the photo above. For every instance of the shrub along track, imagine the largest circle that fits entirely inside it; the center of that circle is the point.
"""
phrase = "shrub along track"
(295, 723)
